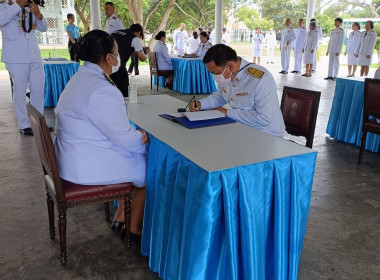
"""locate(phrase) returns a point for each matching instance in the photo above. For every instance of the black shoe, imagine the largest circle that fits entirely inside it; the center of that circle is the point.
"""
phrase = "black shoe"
(132, 235)
(294, 71)
(282, 72)
(272, 62)
(304, 75)
(285, 72)
(117, 226)
(26, 131)
(313, 71)
(328, 78)
(333, 79)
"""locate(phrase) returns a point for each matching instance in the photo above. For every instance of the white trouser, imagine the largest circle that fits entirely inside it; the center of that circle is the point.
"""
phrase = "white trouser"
(297, 60)
(285, 57)
(315, 60)
(270, 53)
(180, 52)
(333, 65)
(22, 74)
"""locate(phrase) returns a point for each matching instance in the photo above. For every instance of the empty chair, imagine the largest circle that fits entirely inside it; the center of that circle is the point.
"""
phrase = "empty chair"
(65, 194)
(371, 111)
(154, 71)
(299, 108)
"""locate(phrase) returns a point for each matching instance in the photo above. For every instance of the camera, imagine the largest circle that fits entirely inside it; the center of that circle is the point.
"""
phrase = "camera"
(38, 2)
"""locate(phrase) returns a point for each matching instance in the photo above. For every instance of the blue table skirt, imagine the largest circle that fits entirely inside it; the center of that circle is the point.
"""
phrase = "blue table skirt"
(190, 77)
(247, 222)
(56, 78)
(346, 116)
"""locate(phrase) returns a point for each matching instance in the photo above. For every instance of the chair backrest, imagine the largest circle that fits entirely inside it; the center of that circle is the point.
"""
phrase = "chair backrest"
(153, 63)
(46, 150)
(300, 109)
(377, 74)
(371, 98)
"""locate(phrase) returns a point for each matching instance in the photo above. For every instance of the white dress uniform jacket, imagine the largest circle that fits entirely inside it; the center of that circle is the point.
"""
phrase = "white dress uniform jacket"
(257, 44)
(320, 35)
(253, 98)
(311, 43)
(203, 48)
(270, 42)
(366, 46)
(164, 61)
(179, 41)
(287, 35)
(298, 46)
(192, 44)
(95, 143)
(113, 23)
(335, 46)
(352, 43)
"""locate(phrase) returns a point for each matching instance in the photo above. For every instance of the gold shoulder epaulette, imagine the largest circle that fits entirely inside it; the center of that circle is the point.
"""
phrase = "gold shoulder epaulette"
(255, 72)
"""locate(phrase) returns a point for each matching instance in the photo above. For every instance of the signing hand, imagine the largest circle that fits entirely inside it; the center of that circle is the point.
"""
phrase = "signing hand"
(144, 138)
(35, 10)
(221, 109)
(193, 108)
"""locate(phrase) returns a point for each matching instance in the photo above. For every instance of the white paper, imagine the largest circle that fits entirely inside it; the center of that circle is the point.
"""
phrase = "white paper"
(204, 115)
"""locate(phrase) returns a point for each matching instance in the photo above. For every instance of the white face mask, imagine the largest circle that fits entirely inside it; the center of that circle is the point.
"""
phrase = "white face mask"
(220, 78)
(116, 68)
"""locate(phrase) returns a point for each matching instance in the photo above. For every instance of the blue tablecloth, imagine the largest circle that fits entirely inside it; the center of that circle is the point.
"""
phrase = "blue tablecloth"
(57, 75)
(346, 116)
(242, 223)
(191, 77)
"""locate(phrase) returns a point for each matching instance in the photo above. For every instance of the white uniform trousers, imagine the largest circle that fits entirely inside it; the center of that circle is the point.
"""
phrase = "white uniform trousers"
(22, 74)
(180, 52)
(285, 57)
(270, 53)
(333, 65)
(298, 60)
(315, 60)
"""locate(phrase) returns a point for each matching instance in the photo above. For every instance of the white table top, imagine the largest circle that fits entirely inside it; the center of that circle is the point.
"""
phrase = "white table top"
(358, 79)
(58, 62)
(186, 58)
(212, 148)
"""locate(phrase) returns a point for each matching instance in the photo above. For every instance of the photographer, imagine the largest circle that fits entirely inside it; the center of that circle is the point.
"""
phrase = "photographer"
(22, 57)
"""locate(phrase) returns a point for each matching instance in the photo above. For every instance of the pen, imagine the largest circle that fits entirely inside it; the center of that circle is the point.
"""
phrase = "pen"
(195, 102)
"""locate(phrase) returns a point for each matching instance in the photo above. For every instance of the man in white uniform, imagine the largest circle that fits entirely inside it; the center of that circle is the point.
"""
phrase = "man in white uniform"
(298, 46)
(249, 89)
(179, 40)
(270, 42)
(320, 35)
(334, 49)
(113, 23)
(287, 38)
(22, 57)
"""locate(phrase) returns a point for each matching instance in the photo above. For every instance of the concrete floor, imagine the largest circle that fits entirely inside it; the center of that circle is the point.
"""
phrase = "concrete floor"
(342, 239)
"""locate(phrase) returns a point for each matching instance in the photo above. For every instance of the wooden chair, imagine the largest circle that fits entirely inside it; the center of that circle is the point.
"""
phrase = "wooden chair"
(300, 109)
(65, 194)
(154, 71)
(371, 109)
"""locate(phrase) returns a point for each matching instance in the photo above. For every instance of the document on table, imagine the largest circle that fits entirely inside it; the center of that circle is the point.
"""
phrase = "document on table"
(204, 115)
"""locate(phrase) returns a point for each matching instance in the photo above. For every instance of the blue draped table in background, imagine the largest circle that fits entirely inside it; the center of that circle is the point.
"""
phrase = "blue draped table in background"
(190, 76)
(57, 75)
(346, 116)
(212, 210)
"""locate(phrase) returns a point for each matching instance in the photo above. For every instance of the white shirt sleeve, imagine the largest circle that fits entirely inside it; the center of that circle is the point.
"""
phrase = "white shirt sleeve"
(214, 100)
(41, 25)
(107, 112)
(6, 14)
(136, 44)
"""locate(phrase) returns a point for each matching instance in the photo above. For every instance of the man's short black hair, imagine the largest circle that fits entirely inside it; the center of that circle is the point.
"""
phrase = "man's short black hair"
(220, 54)
(339, 19)
(69, 16)
(110, 3)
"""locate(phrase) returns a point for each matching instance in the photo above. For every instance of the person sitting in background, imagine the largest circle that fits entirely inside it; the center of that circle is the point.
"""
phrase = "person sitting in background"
(95, 144)
(203, 46)
(193, 43)
(73, 33)
(164, 62)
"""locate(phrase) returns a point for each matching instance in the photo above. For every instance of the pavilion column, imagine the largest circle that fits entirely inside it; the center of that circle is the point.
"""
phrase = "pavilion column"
(218, 21)
(310, 12)
(95, 14)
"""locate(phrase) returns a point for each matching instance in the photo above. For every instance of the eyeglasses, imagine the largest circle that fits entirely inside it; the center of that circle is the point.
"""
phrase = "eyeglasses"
(113, 55)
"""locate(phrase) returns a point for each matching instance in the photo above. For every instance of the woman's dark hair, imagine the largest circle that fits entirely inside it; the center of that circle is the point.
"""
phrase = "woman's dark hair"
(357, 24)
(160, 35)
(95, 45)
(137, 28)
(195, 35)
(204, 34)
(371, 23)
(220, 54)
(69, 16)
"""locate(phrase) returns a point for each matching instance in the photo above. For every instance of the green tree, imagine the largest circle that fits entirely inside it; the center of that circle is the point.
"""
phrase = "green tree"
(251, 18)
(325, 22)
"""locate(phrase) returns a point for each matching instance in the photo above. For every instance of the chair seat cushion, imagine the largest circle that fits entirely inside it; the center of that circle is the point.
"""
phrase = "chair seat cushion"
(372, 125)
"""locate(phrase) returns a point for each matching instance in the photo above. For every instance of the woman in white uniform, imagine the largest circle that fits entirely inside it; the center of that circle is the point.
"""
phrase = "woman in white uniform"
(164, 62)
(257, 46)
(352, 43)
(365, 47)
(95, 143)
(193, 42)
(310, 48)
(203, 46)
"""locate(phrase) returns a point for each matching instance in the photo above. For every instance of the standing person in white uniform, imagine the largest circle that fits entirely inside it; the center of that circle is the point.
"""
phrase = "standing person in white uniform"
(193, 43)
(365, 48)
(113, 23)
(334, 49)
(298, 46)
(225, 37)
(352, 43)
(164, 62)
(22, 57)
(270, 42)
(95, 143)
(310, 48)
(287, 38)
(203, 46)
(257, 46)
(320, 35)
(249, 89)
(179, 40)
